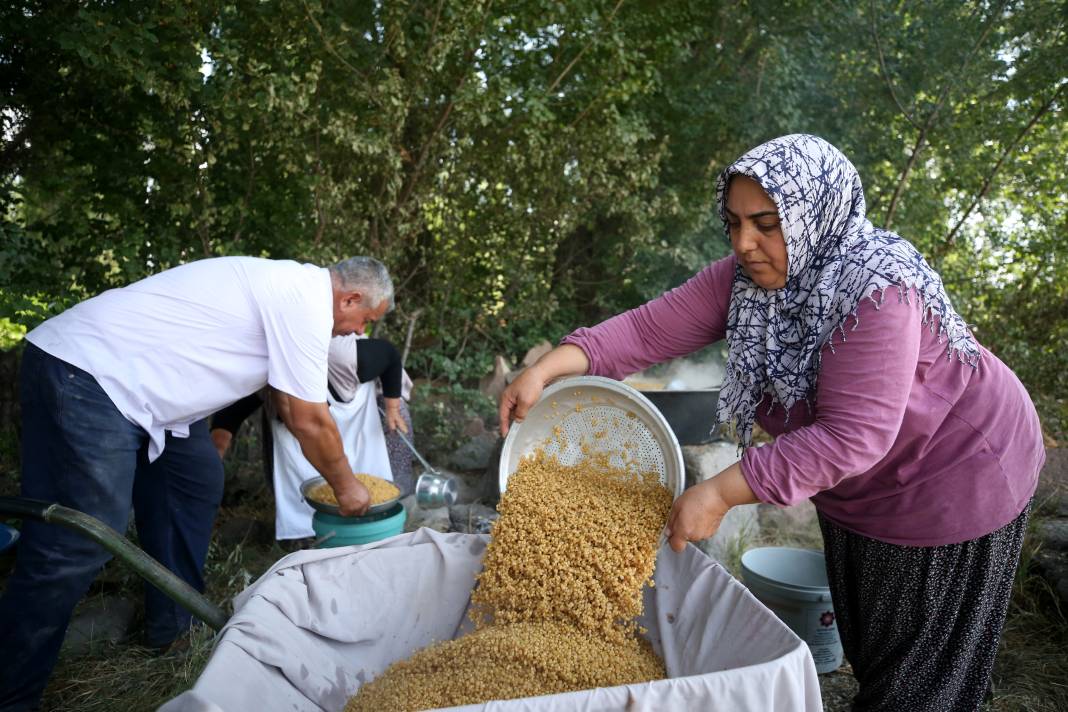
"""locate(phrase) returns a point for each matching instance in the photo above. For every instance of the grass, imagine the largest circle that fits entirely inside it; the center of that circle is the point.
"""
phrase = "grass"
(127, 677)
(130, 677)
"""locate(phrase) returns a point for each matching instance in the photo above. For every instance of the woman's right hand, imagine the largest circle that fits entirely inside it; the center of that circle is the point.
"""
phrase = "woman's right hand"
(520, 395)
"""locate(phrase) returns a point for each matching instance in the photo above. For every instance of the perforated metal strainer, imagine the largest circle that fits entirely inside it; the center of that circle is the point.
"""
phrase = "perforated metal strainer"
(589, 414)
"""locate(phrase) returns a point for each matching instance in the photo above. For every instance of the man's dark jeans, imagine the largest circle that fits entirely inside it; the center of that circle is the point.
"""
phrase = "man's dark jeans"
(79, 451)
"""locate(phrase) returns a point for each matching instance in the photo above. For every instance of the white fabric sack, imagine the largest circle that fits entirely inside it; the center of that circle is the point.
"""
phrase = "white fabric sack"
(360, 427)
(320, 623)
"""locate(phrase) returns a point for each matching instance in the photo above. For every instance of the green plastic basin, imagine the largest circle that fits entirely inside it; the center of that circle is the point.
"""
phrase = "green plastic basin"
(358, 530)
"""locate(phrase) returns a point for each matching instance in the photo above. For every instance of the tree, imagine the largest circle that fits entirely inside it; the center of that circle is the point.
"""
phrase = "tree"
(524, 167)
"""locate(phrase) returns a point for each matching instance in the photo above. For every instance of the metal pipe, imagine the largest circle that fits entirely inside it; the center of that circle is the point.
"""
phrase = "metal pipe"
(143, 564)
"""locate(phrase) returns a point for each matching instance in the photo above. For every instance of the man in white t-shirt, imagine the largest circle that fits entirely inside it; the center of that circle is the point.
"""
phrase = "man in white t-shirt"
(114, 392)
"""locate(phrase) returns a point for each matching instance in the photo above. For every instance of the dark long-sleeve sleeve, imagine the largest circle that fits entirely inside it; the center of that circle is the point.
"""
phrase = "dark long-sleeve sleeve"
(232, 416)
(378, 358)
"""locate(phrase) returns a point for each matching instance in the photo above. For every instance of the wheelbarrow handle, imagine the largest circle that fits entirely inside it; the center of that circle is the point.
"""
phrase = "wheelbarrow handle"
(143, 564)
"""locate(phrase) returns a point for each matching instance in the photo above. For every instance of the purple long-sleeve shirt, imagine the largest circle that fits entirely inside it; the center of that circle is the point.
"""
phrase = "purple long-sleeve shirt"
(904, 445)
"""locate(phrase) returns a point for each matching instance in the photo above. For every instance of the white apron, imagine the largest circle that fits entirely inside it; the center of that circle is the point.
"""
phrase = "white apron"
(365, 445)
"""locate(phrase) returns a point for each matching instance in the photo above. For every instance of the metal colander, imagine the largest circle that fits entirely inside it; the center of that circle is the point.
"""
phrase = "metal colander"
(594, 414)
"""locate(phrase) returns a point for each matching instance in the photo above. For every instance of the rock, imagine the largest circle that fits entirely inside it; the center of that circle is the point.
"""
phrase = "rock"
(472, 518)
(492, 494)
(1052, 492)
(705, 461)
(1053, 566)
(535, 353)
(436, 518)
(798, 517)
(242, 483)
(105, 619)
(471, 486)
(492, 385)
(473, 428)
(1053, 533)
(475, 454)
(739, 527)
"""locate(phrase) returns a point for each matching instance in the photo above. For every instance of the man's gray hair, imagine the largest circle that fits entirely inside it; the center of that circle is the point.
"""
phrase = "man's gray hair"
(366, 275)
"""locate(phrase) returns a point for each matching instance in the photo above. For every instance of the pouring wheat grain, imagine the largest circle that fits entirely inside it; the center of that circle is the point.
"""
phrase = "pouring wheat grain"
(557, 598)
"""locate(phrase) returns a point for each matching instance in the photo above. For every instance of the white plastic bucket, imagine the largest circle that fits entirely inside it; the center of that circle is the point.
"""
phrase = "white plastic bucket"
(793, 584)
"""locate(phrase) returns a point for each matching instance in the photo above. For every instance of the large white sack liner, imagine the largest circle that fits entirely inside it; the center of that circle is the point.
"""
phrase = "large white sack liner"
(316, 626)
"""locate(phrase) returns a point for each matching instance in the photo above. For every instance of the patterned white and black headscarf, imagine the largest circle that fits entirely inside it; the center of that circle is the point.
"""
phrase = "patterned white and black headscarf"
(836, 258)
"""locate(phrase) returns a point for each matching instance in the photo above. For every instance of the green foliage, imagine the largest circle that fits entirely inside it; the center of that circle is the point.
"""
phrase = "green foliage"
(953, 113)
(528, 167)
(440, 413)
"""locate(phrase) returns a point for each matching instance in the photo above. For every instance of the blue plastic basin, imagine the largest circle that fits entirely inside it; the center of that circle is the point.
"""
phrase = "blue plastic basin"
(347, 531)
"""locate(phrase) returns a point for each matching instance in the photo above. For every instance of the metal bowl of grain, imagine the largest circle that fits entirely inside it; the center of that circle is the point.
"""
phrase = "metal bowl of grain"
(320, 496)
(579, 416)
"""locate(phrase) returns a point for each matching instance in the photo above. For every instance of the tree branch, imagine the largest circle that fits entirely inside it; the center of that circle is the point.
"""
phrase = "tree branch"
(573, 62)
(1042, 110)
(330, 47)
(883, 70)
(408, 336)
(424, 152)
(248, 193)
(434, 28)
(319, 214)
(929, 123)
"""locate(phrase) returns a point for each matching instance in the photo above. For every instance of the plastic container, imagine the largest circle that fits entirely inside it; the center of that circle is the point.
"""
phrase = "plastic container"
(793, 584)
(333, 530)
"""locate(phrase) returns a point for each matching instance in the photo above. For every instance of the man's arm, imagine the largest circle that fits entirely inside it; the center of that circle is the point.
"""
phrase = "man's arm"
(315, 430)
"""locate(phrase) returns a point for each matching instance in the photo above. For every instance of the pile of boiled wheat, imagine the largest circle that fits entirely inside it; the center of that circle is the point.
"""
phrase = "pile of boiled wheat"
(557, 598)
(381, 490)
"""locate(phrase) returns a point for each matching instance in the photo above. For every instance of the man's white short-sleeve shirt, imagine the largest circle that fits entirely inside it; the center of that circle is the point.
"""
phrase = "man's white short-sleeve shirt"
(177, 346)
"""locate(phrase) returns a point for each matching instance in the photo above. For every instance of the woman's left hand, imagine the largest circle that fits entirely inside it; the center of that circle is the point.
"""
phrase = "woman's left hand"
(698, 512)
(394, 419)
(696, 515)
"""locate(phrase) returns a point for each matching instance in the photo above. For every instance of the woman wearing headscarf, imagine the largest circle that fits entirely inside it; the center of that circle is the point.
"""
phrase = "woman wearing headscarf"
(919, 448)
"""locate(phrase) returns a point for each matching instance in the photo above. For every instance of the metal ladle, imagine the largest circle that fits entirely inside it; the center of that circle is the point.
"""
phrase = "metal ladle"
(432, 489)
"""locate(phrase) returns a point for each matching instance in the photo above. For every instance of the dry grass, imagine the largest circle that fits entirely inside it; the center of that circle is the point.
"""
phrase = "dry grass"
(1031, 671)
(130, 678)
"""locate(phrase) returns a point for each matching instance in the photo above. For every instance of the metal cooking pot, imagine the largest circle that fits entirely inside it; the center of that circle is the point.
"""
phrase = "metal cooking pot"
(690, 414)
(332, 509)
